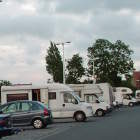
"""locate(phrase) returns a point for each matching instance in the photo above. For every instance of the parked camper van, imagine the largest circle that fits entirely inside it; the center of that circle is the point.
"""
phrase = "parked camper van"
(90, 93)
(107, 94)
(59, 97)
(137, 95)
(123, 95)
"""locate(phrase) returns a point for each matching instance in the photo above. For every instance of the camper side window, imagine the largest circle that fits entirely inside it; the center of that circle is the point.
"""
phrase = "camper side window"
(52, 95)
(124, 90)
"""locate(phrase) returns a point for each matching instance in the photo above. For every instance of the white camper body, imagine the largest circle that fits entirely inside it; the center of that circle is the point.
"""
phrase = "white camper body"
(123, 95)
(137, 95)
(59, 97)
(90, 93)
(108, 95)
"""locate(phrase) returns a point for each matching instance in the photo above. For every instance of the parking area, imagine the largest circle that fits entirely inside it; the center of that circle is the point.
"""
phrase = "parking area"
(113, 121)
(29, 133)
(59, 126)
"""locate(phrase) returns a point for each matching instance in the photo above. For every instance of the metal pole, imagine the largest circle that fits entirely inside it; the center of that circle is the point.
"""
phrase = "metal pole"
(63, 64)
(63, 43)
(93, 72)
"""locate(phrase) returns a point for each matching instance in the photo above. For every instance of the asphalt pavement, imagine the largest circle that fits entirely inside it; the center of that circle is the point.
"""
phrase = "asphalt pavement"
(122, 124)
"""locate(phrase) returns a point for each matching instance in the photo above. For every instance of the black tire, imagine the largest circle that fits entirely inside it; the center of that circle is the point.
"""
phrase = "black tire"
(80, 117)
(38, 123)
(100, 113)
(131, 104)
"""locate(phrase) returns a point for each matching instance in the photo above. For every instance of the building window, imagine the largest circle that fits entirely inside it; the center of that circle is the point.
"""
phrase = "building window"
(52, 95)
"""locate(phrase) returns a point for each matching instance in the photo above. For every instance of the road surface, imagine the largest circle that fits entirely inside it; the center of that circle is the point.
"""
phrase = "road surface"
(122, 124)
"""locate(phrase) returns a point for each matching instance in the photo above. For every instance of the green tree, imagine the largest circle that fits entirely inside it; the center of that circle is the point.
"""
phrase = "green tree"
(5, 83)
(75, 69)
(54, 63)
(111, 60)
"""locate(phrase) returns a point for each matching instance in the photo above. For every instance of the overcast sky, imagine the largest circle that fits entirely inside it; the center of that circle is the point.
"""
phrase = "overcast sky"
(27, 26)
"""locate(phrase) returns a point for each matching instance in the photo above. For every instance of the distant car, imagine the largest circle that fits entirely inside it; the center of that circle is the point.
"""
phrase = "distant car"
(5, 125)
(26, 112)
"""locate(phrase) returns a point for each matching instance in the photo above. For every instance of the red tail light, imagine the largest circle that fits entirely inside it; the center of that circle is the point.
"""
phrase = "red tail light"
(46, 113)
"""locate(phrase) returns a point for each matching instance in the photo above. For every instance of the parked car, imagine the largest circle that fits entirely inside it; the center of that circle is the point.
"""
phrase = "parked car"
(27, 113)
(5, 125)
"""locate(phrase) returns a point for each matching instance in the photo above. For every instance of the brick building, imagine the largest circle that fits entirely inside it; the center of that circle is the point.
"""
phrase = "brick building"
(136, 79)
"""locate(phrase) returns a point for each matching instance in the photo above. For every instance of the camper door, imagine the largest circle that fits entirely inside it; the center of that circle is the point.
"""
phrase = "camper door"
(68, 104)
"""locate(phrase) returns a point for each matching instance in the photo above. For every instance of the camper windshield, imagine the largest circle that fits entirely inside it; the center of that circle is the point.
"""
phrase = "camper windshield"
(127, 96)
(130, 96)
(77, 97)
(101, 99)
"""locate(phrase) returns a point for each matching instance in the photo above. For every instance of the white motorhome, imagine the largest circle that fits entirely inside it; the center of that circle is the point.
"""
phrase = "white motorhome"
(90, 93)
(137, 95)
(108, 95)
(123, 95)
(59, 97)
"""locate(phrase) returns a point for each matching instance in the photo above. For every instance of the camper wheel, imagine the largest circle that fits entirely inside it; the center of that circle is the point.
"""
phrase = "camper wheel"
(80, 116)
(100, 113)
(131, 104)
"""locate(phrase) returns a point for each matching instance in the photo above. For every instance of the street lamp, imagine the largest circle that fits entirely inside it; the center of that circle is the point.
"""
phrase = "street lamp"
(94, 80)
(63, 44)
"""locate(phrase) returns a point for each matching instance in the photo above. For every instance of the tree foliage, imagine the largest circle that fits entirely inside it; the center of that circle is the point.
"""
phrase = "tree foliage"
(75, 69)
(54, 63)
(5, 83)
(111, 60)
